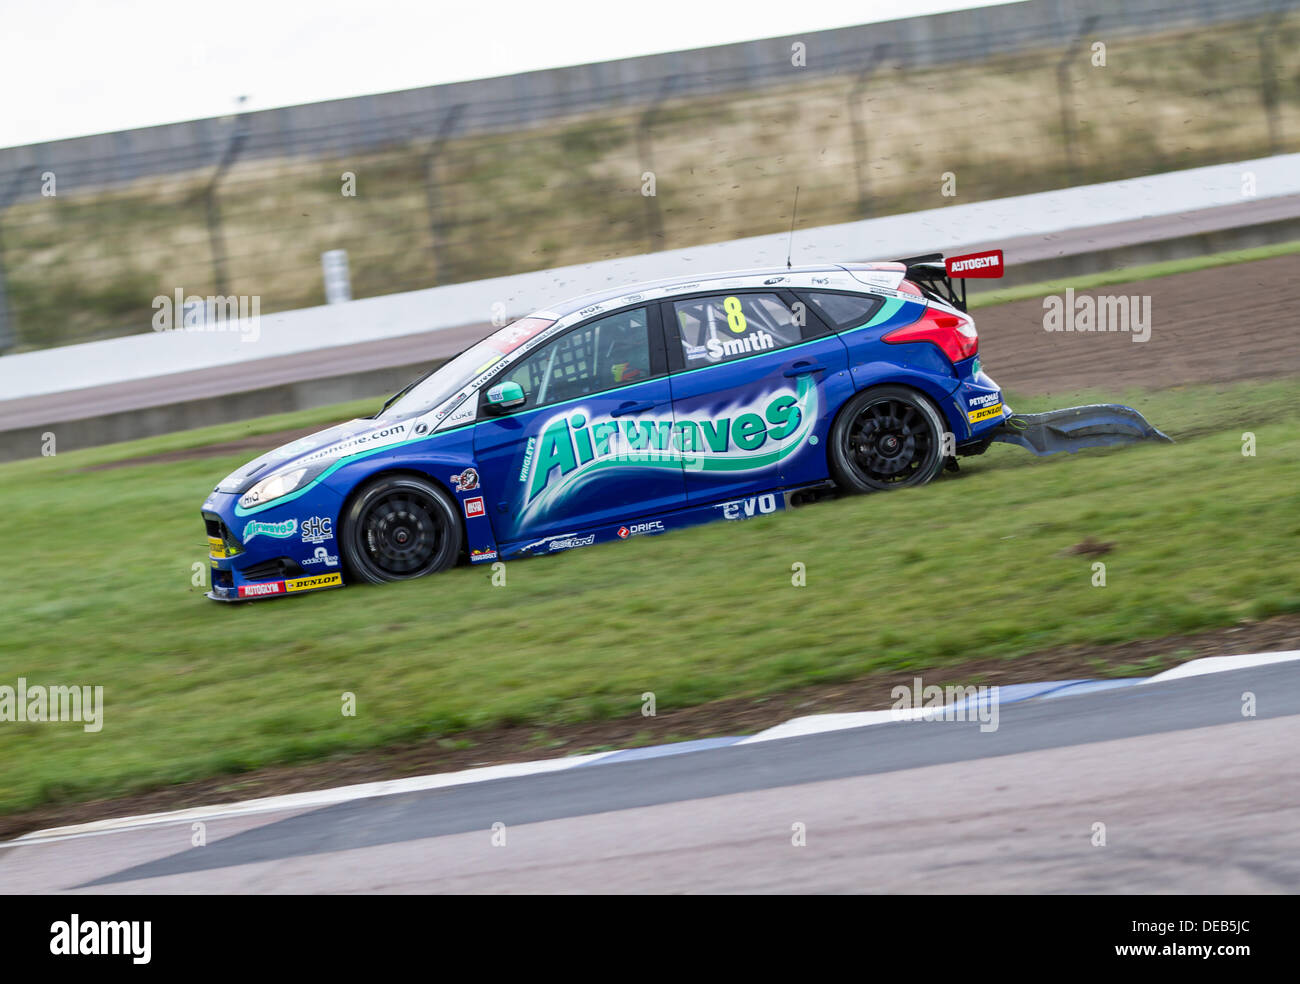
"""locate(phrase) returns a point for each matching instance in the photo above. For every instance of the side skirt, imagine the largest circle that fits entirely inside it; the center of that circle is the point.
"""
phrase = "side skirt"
(762, 504)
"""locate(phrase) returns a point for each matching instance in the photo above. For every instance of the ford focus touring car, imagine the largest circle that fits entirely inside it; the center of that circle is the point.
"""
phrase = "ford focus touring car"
(635, 412)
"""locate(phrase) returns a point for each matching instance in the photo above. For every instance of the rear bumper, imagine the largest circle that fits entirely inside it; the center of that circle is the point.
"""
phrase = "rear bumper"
(977, 405)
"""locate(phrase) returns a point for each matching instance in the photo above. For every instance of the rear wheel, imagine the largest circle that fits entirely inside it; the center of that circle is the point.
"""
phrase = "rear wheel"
(889, 437)
(399, 527)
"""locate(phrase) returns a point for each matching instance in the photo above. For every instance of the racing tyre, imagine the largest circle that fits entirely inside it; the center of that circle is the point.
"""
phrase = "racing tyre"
(399, 527)
(889, 437)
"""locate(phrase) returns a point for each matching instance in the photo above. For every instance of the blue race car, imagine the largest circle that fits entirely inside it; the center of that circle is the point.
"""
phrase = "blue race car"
(635, 412)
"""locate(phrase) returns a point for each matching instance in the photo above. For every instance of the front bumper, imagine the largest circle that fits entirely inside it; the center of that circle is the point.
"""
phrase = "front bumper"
(283, 550)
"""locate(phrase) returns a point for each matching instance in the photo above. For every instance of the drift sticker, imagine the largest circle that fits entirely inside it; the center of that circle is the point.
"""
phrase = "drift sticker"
(572, 447)
(641, 529)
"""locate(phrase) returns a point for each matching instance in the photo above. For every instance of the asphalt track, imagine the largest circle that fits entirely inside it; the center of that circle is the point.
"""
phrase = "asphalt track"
(1194, 796)
(433, 346)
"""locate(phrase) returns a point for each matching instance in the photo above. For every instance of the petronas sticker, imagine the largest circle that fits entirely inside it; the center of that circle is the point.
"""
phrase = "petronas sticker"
(572, 446)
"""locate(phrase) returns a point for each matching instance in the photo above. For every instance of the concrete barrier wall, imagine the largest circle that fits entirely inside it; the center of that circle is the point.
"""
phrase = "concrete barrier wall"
(26, 441)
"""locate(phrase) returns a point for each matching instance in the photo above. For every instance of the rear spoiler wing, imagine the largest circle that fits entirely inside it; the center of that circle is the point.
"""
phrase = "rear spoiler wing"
(936, 275)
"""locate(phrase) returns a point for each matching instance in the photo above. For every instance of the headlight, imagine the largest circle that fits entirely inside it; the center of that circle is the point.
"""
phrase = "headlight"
(273, 487)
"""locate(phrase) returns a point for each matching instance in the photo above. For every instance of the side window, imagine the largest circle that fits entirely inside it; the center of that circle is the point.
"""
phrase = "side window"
(598, 356)
(842, 311)
(718, 329)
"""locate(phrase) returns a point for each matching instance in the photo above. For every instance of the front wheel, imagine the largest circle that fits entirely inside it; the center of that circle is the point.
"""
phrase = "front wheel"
(889, 437)
(399, 527)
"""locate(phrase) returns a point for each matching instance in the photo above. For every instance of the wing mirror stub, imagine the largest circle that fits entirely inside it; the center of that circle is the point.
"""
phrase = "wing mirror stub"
(505, 396)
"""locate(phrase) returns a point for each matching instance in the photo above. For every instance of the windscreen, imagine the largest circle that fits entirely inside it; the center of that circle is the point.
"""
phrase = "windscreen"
(444, 382)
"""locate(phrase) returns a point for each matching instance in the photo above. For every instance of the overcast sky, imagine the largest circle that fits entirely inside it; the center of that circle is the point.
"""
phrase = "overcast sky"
(90, 66)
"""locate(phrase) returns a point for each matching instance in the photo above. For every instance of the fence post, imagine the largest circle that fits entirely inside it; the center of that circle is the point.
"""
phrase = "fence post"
(8, 331)
(8, 323)
(1069, 125)
(236, 143)
(860, 131)
(442, 271)
(654, 222)
(1268, 79)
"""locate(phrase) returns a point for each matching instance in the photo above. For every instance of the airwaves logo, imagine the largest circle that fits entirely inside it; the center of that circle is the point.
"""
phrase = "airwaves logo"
(571, 447)
(279, 530)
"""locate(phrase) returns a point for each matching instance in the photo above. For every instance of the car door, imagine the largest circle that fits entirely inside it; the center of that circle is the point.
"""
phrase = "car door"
(748, 369)
(591, 443)
(827, 313)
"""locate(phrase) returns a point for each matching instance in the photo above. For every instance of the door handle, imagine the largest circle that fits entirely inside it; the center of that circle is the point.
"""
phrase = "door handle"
(632, 407)
(799, 368)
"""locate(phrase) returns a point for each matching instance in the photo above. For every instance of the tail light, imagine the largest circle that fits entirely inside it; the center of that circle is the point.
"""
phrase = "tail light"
(954, 334)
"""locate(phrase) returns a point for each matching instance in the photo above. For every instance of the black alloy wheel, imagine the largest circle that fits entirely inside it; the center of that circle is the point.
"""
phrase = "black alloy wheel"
(399, 527)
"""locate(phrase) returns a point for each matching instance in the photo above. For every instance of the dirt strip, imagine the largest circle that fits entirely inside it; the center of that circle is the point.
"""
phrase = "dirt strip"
(1219, 325)
(723, 717)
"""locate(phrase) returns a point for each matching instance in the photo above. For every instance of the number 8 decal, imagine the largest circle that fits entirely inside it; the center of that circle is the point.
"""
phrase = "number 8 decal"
(735, 316)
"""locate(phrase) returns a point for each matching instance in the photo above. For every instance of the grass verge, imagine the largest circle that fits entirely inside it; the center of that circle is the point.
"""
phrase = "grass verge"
(975, 565)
